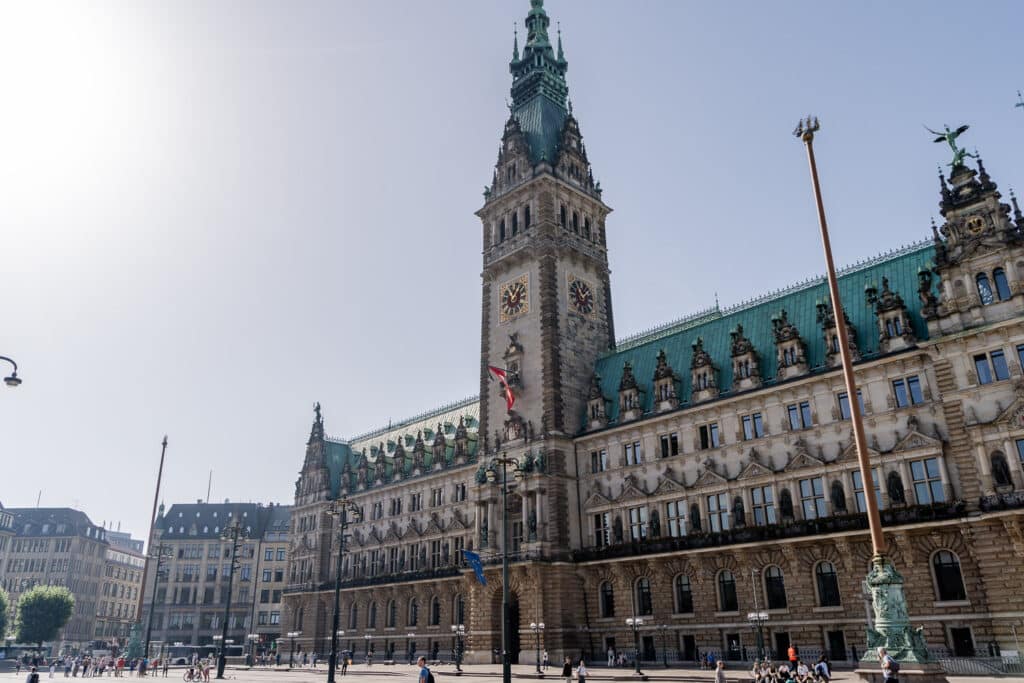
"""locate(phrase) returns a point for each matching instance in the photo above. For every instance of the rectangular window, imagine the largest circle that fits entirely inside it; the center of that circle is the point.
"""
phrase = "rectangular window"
(376, 513)
(844, 404)
(436, 497)
(1020, 451)
(280, 554)
(268, 554)
(638, 523)
(800, 415)
(602, 529)
(460, 493)
(633, 453)
(858, 489)
(718, 512)
(517, 536)
(278, 575)
(753, 426)
(261, 619)
(812, 497)
(265, 596)
(676, 518)
(927, 481)
(435, 554)
(762, 505)
(709, 436)
(991, 367)
(267, 573)
(598, 461)
(907, 391)
(275, 617)
(669, 445)
(415, 502)
(1020, 355)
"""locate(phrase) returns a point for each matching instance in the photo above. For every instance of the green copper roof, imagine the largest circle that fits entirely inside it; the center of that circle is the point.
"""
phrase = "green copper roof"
(799, 301)
(539, 90)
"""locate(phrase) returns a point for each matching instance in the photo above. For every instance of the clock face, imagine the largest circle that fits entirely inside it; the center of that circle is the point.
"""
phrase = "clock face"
(514, 298)
(975, 225)
(581, 296)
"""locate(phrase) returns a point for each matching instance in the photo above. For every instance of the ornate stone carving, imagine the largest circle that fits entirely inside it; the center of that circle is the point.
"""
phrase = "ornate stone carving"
(746, 365)
(703, 374)
(630, 407)
(826, 317)
(894, 329)
(665, 384)
(790, 349)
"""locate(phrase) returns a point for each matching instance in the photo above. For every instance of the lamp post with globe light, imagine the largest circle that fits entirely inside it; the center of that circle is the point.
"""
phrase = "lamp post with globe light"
(345, 512)
(492, 477)
(537, 630)
(235, 535)
(459, 630)
(635, 623)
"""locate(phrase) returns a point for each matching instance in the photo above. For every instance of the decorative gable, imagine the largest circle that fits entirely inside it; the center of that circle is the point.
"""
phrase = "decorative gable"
(790, 349)
(801, 457)
(827, 319)
(629, 395)
(894, 329)
(703, 374)
(597, 416)
(665, 379)
(849, 454)
(709, 476)
(668, 484)
(746, 366)
(915, 440)
(631, 489)
(1014, 415)
(753, 470)
(596, 499)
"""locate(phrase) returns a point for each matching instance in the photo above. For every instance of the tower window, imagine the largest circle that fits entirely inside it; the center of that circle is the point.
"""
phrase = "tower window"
(1002, 286)
(515, 224)
(526, 217)
(561, 215)
(984, 289)
(501, 230)
(586, 229)
(575, 222)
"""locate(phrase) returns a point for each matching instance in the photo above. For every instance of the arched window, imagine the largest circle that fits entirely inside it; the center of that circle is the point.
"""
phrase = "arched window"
(774, 588)
(353, 616)
(727, 592)
(607, 599)
(785, 504)
(949, 582)
(515, 223)
(501, 230)
(643, 597)
(391, 615)
(459, 610)
(684, 594)
(414, 612)
(1000, 470)
(561, 215)
(828, 584)
(984, 289)
(526, 217)
(371, 616)
(1002, 286)
(435, 611)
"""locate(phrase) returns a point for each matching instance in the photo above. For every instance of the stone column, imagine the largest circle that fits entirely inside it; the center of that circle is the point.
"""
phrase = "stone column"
(947, 486)
(908, 482)
(541, 526)
(1015, 462)
(984, 469)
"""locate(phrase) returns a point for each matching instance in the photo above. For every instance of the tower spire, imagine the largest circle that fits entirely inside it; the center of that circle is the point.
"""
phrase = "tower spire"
(515, 42)
(561, 54)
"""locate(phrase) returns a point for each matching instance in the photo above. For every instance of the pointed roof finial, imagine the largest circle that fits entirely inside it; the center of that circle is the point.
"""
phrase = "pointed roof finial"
(1020, 100)
(515, 41)
(1017, 216)
(561, 55)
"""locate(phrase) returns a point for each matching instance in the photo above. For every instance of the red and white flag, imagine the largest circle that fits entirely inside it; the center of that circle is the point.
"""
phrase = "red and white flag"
(502, 377)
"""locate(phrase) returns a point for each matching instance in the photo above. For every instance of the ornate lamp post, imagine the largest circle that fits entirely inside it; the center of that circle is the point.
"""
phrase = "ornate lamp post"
(12, 380)
(506, 635)
(408, 645)
(892, 628)
(292, 635)
(342, 510)
(160, 553)
(757, 618)
(537, 630)
(663, 630)
(459, 630)
(235, 535)
(635, 623)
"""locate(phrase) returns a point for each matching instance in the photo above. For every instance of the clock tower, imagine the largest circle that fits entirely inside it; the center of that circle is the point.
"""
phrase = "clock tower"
(547, 309)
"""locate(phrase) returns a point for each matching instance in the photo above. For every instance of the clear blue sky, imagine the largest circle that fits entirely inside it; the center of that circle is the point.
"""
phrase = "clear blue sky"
(214, 214)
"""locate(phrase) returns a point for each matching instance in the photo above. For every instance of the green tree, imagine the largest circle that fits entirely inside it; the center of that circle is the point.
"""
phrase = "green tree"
(5, 607)
(42, 613)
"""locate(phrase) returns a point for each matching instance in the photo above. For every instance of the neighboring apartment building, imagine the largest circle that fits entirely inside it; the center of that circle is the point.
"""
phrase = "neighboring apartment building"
(700, 471)
(58, 547)
(122, 583)
(191, 587)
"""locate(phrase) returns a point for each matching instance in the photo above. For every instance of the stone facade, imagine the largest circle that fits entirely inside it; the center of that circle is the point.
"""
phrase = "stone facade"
(686, 498)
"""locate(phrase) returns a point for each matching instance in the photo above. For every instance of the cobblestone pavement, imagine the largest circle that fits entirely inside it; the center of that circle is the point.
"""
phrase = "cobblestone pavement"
(475, 674)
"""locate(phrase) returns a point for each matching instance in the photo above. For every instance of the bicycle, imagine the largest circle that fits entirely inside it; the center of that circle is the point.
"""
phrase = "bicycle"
(192, 675)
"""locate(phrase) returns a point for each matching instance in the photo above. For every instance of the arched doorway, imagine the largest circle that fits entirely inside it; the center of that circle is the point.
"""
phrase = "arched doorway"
(514, 626)
(513, 621)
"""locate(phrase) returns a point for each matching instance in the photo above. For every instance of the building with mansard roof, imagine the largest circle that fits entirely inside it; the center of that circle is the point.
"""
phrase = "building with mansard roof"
(697, 472)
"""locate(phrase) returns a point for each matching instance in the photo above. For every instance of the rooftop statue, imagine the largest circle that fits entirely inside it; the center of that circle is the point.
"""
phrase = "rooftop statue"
(950, 138)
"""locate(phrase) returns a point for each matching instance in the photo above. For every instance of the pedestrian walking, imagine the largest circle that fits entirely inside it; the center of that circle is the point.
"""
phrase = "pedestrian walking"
(567, 670)
(425, 675)
(33, 676)
(720, 672)
(581, 672)
(344, 663)
(547, 660)
(611, 657)
(890, 667)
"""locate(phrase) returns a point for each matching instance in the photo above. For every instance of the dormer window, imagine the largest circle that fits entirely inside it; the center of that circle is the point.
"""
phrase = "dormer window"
(894, 328)
(984, 289)
(665, 384)
(1002, 286)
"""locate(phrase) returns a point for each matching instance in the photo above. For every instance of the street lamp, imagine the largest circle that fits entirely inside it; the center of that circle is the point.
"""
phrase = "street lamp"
(892, 628)
(12, 380)
(459, 631)
(252, 638)
(341, 509)
(663, 629)
(537, 630)
(367, 637)
(757, 618)
(235, 535)
(635, 623)
(492, 477)
(292, 635)
(162, 552)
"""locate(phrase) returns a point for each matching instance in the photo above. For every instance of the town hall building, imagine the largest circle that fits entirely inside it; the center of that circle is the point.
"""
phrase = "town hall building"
(694, 474)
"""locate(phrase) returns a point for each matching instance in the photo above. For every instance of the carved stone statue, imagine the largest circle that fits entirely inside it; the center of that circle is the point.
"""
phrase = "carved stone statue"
(739, 517)
(483, 529)
(894, 484)
(950, 138)
(655, 524)
(532, 525)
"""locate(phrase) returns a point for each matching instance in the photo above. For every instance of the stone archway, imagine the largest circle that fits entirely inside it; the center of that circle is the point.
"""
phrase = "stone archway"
(514, 625)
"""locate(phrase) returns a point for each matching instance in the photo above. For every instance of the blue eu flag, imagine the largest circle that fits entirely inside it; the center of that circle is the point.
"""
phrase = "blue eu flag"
(474, 562)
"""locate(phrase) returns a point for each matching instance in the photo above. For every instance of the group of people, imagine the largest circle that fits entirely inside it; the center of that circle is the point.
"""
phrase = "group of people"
(88, 666)
(793, 671)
